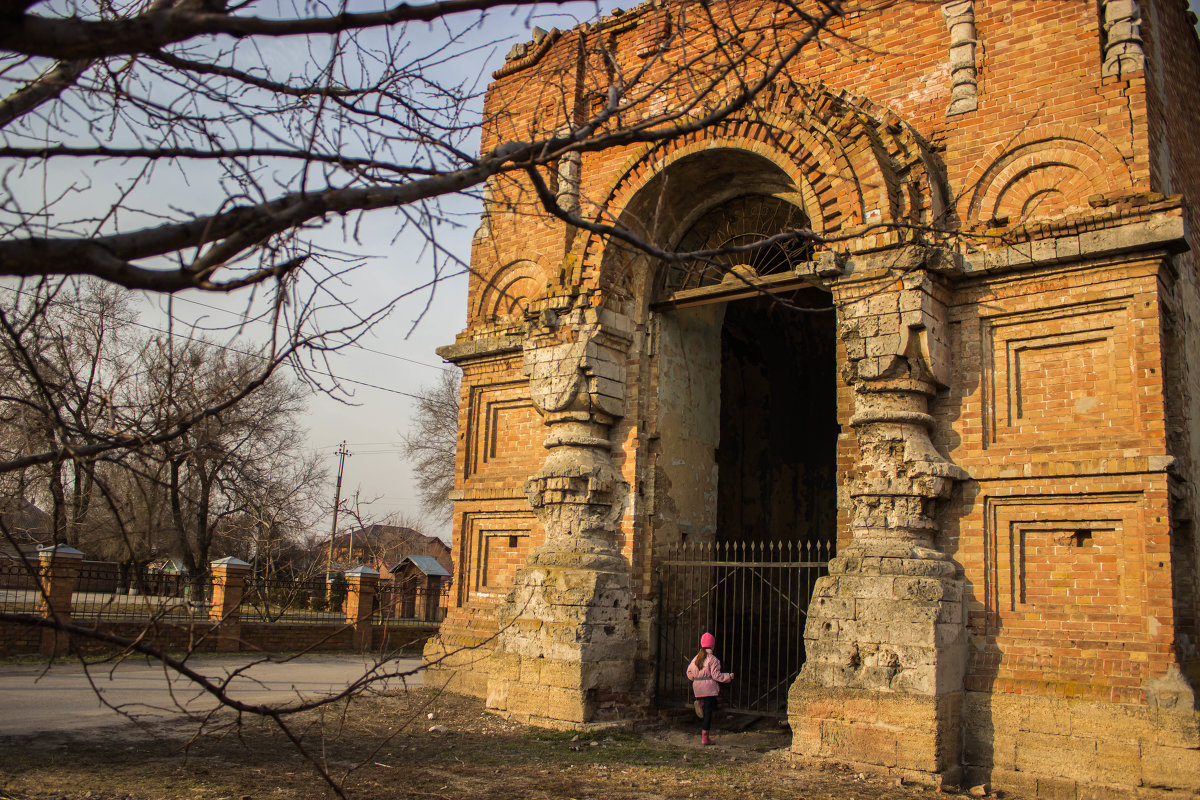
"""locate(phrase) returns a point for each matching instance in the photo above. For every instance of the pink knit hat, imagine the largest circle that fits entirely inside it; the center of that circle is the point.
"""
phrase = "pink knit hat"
(708, 640)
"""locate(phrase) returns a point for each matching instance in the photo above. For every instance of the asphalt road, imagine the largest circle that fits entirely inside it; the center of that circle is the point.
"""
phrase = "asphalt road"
(35, 698)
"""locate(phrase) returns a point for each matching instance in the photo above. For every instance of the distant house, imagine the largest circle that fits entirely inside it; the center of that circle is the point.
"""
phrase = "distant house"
(415, 570)
(383, 548)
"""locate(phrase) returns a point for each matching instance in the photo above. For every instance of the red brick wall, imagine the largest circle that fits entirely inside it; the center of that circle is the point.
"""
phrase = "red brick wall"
(16, 639)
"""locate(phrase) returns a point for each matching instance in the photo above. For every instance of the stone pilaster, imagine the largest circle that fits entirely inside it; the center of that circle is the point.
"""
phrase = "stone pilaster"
(886, 637)
(964, 82)
(565, 650)
(59, 572)
(1123, 54)
(360, 604)
(228, 588)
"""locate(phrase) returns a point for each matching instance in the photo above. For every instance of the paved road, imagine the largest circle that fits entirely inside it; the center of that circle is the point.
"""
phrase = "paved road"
(34, 699)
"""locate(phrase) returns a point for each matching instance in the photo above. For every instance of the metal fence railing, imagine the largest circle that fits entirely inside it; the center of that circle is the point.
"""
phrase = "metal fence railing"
(106, 591)
(285, 599)
(401, 604)
(19, 592)
(754, 596)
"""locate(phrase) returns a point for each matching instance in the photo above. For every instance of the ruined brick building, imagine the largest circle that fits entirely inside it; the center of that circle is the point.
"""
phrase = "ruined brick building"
(977, 381)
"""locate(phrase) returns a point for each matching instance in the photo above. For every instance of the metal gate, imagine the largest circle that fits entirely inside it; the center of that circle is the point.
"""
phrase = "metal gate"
(754, 598)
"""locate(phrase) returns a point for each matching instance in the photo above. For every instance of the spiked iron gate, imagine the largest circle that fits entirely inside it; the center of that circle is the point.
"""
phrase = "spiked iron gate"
(754, 597)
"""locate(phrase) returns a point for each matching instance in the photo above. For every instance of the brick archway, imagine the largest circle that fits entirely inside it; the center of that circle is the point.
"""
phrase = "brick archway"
(850, 165)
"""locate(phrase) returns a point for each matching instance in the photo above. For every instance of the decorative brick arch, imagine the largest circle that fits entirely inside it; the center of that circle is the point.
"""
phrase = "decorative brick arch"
(852, 163)
(507, 291)
(1044, 172)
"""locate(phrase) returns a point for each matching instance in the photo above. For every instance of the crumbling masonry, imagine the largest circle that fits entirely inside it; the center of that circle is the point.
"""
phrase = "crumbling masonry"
(978, 380)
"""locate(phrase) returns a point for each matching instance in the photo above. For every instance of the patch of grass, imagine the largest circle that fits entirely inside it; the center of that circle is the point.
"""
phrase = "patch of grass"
(382, 748)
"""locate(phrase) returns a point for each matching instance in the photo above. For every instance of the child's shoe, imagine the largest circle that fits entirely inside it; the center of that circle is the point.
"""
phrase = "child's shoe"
(704, 738)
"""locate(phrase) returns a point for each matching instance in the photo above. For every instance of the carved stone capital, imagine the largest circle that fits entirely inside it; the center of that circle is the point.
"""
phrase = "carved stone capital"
(580, 381)
(578, 386)
(896, 329)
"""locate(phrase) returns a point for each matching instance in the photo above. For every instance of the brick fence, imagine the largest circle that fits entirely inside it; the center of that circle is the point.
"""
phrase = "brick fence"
(217, 626)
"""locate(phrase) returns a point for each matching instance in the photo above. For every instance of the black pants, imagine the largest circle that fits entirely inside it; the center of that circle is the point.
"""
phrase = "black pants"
(707, 706)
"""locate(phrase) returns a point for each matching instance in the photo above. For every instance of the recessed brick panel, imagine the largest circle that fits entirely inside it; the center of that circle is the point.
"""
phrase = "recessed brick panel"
(504, 429)
(1059, 375)
(495, 545)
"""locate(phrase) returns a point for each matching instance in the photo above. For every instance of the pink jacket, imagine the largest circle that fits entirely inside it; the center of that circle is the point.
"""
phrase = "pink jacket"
(707, 679)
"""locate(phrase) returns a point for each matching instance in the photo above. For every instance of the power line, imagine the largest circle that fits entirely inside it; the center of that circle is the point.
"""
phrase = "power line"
(356, 345)
(358, 444)
(135, 323)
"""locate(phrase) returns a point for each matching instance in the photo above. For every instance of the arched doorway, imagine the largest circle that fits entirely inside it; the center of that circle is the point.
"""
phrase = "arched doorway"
(746, 436)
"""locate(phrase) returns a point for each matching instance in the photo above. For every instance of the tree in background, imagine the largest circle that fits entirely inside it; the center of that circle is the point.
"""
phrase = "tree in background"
(67, 354)
(433, 441)
(77, 368)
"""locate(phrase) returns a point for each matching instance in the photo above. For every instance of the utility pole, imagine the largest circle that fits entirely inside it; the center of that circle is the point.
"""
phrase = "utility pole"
(341, 453)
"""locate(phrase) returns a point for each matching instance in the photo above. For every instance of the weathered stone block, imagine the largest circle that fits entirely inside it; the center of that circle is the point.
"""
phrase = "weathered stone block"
(834, 607)
(1056, 756)
(883, 609)
(1175, 767)
(1057, 788)
(886, 729)
(1118, 723)
(1117, 762)
(872, 744)
(497, 694)
(533, 700)
(1051, 716)
(569, 705)
(1179, 727)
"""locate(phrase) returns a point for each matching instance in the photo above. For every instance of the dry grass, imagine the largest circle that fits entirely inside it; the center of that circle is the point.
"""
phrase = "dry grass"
(382, 747)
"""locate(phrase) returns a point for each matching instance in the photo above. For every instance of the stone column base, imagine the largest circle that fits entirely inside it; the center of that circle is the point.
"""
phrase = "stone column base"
(554, 693)
(914, 736)
(566, 648)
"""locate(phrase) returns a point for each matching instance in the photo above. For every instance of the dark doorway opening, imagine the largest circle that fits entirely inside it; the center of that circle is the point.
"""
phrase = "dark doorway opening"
(776, 475)
(776, 505)
(777, 455)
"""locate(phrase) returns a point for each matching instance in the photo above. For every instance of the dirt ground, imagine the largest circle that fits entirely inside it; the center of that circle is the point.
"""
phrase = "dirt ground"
(390, 747)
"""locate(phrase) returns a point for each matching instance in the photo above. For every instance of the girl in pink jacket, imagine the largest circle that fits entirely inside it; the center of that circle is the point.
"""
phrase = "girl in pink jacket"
(705, 674)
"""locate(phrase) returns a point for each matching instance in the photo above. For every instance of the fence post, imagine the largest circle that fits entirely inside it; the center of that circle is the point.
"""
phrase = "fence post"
(360, 596)
(228, 584)
(58, 568)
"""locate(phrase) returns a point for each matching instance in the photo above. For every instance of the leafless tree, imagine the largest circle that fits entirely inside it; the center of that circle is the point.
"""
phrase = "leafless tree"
(66, 356)
(75, 366)
(431, 444)
(218, 470)
(289, 124)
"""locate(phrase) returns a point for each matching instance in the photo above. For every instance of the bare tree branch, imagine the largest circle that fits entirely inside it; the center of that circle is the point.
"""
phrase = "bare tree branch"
(77, 38)
(47, 86)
